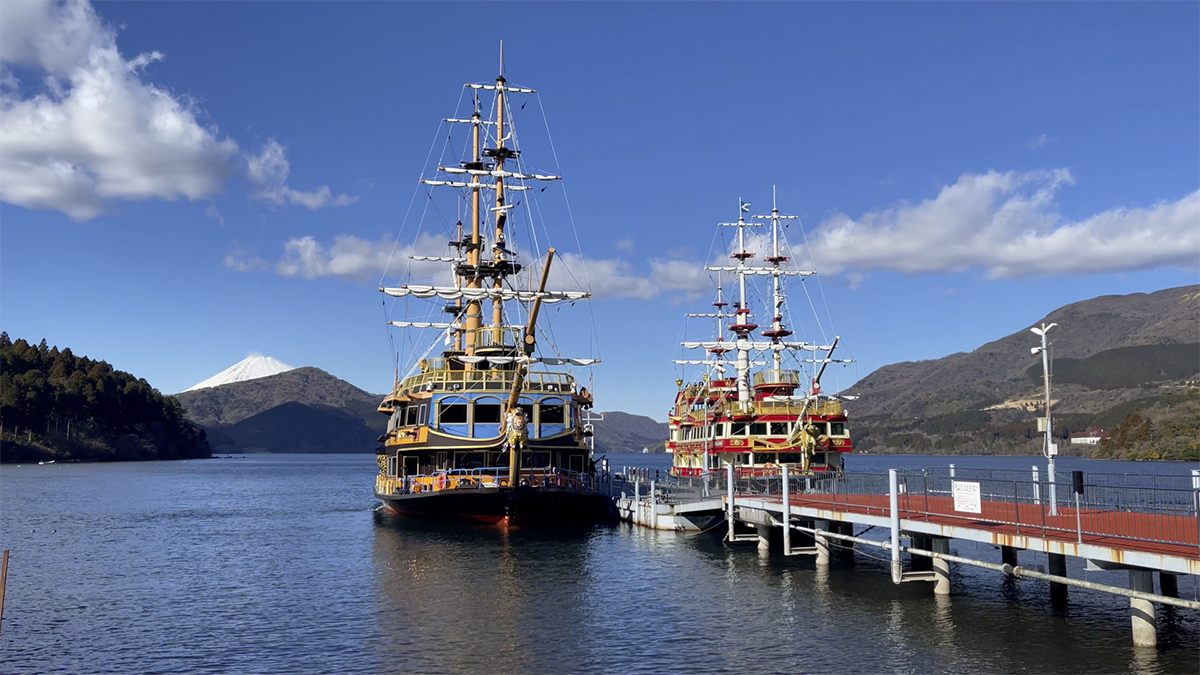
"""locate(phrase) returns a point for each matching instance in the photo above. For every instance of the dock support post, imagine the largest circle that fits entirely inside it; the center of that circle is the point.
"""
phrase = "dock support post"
(764, 538)
(3, 581)
(786, 516)
(652, 519)
(1141, 612)
(821, 542)
(1169, 583)
(1037, 487)
(845, 549)
(919, 563)
(941, 568)
(729, 498)
(1008, 555)
(1058, 567)
(894, 511)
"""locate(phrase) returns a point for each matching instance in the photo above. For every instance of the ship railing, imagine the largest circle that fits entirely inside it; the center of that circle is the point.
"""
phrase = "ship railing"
(486, 380)
(1163, 515)
(776, 377)
(486, 477)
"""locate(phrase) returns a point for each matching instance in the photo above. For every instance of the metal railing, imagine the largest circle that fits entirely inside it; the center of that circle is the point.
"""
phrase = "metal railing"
(1145, 513)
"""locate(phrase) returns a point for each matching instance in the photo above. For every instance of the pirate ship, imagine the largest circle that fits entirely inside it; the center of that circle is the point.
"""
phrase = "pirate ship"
(488, 427)
(745, 410)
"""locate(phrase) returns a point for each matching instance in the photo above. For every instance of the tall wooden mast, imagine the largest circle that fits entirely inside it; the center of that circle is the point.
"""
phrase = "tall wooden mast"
(474, 281)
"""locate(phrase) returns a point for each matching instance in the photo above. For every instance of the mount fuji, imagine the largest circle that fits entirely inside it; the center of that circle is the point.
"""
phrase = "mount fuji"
(250, 368)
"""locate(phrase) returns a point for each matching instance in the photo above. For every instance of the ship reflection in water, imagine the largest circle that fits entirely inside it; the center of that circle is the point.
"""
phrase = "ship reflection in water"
(199, 567)
(469, 599)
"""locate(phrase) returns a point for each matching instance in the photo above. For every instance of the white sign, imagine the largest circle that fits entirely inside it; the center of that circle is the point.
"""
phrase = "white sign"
(966, 496)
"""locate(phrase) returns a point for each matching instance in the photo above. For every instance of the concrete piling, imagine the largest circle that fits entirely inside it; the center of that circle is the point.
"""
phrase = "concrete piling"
(821, 542)
(1141, 612)
(941, 568)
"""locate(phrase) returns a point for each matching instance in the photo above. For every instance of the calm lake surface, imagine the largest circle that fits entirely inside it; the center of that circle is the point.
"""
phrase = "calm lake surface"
(279, 564)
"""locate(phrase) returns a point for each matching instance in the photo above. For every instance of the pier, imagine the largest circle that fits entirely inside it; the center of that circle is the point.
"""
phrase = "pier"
(1142, 524)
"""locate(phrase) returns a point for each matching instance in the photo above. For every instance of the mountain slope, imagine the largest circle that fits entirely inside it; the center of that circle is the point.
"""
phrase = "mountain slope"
(296, 427)
(249, 368)
(995, 372)
(231, 403)
(1114, 355)
(623, 432)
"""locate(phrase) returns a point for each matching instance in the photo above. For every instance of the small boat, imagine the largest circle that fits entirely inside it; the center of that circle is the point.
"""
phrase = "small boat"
(757, 403)
(486, 425)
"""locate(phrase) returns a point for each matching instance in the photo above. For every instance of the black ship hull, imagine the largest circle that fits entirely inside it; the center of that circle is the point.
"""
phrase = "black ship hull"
(505, 506)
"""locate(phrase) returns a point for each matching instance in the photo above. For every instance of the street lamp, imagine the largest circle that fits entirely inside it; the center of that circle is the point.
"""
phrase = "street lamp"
(1050, 449)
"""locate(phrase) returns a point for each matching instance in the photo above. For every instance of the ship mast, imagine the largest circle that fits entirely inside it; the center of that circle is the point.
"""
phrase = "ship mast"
(742, 326)
(777, 295)
(474, 280)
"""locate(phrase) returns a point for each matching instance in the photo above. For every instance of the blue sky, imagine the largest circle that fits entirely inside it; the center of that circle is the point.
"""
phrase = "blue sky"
(183, 184)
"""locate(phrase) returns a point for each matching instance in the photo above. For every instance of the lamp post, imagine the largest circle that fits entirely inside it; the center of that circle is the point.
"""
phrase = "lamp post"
(1050, 448)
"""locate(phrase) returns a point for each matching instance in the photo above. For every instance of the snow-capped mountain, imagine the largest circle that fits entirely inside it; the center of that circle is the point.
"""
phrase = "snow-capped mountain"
(250, 368)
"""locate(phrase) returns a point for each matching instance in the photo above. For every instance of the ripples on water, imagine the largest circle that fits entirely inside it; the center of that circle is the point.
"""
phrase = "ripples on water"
(277, 564)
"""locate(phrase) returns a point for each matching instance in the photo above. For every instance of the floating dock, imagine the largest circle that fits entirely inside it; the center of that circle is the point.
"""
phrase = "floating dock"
(1142, 524)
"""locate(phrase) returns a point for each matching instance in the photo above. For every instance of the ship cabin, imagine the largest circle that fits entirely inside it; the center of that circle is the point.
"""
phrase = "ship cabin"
(709, 425)
(450, 417)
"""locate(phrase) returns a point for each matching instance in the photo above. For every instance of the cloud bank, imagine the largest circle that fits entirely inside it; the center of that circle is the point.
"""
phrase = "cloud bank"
(1008, 226)
(80, 125)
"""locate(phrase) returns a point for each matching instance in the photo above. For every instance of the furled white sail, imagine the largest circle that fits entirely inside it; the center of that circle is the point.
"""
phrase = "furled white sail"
(472, 294)
(498, 174)
(763, 271)
(548, 360)
(424, 324)
(490, 186)
(492, 87)
(435, 258)
(756, 345)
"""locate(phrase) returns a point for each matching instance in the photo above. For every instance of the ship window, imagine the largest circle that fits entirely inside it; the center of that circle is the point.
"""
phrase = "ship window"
(789, 458)
(452, 411)
(758, 429)
(821, 428)
(410, 416)
(535, 460)
(553, 413)
(469, 460)
(487, 413)
(391, 466)
(837, 429)
(423, 416)
(738, 429)
(779, 428)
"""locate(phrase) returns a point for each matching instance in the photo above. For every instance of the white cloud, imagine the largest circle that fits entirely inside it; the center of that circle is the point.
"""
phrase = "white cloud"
(1038, 142)
(269, 170)
(96, 131)
(357, 259)
(626, 244)
(1007, 225)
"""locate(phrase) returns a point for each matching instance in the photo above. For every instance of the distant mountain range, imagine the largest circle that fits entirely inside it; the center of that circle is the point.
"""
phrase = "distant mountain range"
(1112, 355)
(309, 410)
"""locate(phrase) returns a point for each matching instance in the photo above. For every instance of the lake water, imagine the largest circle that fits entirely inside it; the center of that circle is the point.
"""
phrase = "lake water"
(279, 564)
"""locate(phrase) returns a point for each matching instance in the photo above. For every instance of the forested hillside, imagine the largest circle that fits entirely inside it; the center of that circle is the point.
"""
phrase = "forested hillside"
(55, 405)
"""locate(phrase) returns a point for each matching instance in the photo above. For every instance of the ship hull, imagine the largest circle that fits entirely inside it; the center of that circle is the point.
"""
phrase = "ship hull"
(504, 506)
